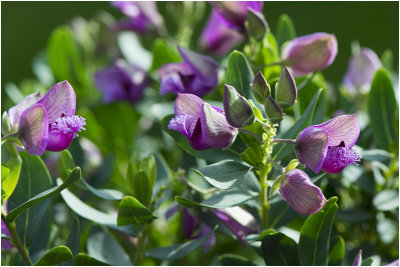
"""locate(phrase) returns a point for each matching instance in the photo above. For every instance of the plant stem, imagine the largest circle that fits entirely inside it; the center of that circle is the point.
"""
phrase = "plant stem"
(140, 246)
(287, 141)
(14, 237)
(13, 135)
(263, 195)
(250, 133)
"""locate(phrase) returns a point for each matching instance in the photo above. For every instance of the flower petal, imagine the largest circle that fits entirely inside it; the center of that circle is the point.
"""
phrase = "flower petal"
(60, 99)
(217, 37)
(311, 147)
(189, 223)
(216, 132)
(34, 129)
(59, 141)
(184, 124)
(301, 194)
(342, 128)
(204, 66)
(15, 112)
(188, 104)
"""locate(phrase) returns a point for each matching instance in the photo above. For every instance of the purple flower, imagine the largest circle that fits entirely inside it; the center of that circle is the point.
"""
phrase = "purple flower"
(197, 74)
(358, 259)
(394, 263)
(301, 194)
(5, 244)
(49, 122)
(190, 223)
(143, 16)
(361, 69)
(205, 126)
(122, 81)
(217, 37)
(241, 222)
(310, 53)
(235, 13)
(327, 146)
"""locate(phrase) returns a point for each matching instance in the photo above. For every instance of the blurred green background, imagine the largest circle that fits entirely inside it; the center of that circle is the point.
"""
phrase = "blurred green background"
(26, 27)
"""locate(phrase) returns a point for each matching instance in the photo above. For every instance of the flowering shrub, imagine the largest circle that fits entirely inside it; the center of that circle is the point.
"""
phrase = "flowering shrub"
(226, 149)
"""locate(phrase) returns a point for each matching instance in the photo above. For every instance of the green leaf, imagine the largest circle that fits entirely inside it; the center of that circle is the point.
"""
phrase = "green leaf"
(83, 259)
(133, 51)
(73, 240)
(387, 59)
(67, 163)
(224, 199)
(64, 56)
(234, 260)
(240, 75)
(131, 211)
(382, 107)
(139, 184)
(175, 252)
(91, 214)
(34, 179)
(386, 200)
(73, 177)
(256, 24)
(213, 155)
(367, 261)
(225, 174)
(268, 54)
(279, 249)
(313, 248)
(286, 90)
(285, 30)
(103, 247)
(281, 150)
(163, 53)
(10, 181)
(54, 256)
(336, 254)
(376, 155)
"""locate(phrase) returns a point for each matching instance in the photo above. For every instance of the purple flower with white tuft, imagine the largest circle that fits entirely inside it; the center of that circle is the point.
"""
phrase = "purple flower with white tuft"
(241, 222)
(197, 74)
(49, 122)
(205, 126)
(217, 38)
(122, 82)
(143, 16)
(5, 244)
(362, 67)
(235, 13)
(309, 53)
(327, 146)
(301, 194)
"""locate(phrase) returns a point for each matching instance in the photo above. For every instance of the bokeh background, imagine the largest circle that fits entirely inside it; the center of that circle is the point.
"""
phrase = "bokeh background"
(26, 27)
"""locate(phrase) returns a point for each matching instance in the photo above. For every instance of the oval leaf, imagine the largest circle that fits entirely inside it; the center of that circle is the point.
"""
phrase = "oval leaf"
(131, 211)
(83, 259)
(382, 107)
(225, 174)
(315, 235)
(386, 200)
(279, 249)
(54, 256)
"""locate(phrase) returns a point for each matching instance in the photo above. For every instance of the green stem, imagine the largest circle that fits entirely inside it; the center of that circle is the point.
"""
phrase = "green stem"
(13, 135)
(140, 246)
(263, 195)
(251, 133)
(14, 237)
(287, 141)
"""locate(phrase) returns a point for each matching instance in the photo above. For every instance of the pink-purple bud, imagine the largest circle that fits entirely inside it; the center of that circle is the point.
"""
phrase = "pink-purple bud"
(301, 194)
(310, 53)
(361, 68)
(327, 146)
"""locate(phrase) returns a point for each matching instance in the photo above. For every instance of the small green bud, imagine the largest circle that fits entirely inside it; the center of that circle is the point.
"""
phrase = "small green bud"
(260, 88)
(285, 90)
(273, 110)
(5, 124)
(256, 24)
(238, 111)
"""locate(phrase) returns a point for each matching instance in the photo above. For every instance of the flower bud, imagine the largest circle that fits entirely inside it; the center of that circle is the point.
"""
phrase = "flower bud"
(273, 110)
(301, 194)
(286, 90)
(256, 24)
(238, 111)
(260, 88)
(310, 53)
(362, 67)
(358, 259)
